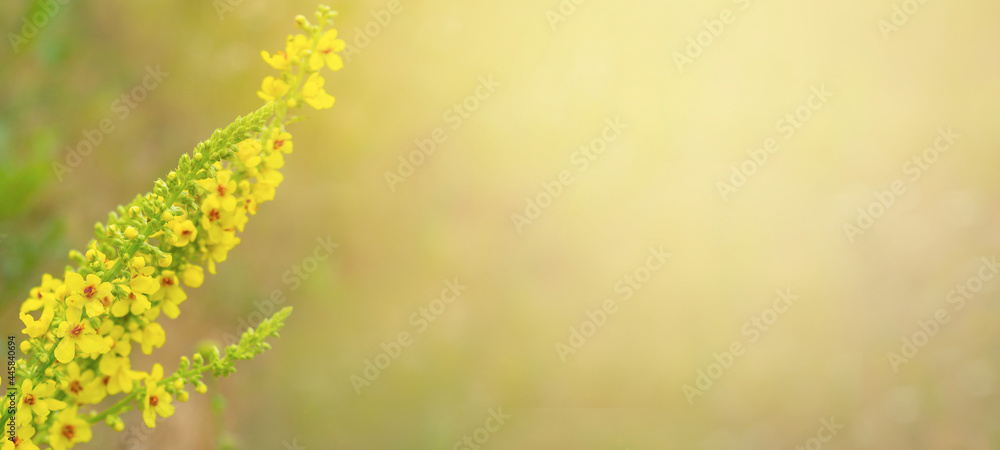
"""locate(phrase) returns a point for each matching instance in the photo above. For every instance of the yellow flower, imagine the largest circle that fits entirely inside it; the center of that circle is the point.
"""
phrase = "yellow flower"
(36, 328)
(221, 187)
(157, 400)
(219, 252)
(295, 45)
(184, 232)
(142, 282)
(74, 334)
(152, 335)
(171, 294)
(43, 295)
(22, 437)
(86, 293)
(193, 276)
(119, 376)
(35, 401)
(325, 52)
(82, 387)
(249, 152)
(272, 88)
(279, 141)
(68, 430)
(267, 181)
(314, 94)
(278, 61)
(134, 302)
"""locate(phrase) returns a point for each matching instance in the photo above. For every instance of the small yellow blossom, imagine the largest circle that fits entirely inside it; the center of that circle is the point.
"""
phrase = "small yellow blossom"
(313, 93)
(272, 88)
(35, 401)
(193, 276)
(77, 334)
(22, 437)
(37, 328)
(157, 401)
(221, 187)
(86, 293)
(279, 141)
(184, 232)
(82, 387)
(68, 430)
(326, 52)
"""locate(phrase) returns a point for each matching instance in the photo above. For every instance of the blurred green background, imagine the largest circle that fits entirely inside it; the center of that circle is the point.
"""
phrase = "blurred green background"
(655, 185)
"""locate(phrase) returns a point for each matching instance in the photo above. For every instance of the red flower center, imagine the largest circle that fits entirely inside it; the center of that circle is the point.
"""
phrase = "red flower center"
(167, 281)
(154, 400)
(221, 190)
(278, 143)
(75, 387)
(76, 330)
(68, 432)
(29, 399)
(214, 215)
(89, 291)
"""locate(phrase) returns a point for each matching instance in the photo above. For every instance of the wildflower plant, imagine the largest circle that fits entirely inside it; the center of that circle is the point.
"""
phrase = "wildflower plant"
(81, 326)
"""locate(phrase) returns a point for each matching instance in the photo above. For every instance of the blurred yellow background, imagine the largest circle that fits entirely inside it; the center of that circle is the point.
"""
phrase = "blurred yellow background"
(576, 141)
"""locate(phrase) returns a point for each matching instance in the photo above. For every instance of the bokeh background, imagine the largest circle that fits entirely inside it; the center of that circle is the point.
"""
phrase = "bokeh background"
(656, 186)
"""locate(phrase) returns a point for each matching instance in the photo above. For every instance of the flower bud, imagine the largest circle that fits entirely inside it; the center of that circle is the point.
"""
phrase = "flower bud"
(167, 217)
(131, 233)
(166, 260)
(193, 276)
(138, 262)
(178, 384)
(200, 387)
(183, 396)
(134, 211)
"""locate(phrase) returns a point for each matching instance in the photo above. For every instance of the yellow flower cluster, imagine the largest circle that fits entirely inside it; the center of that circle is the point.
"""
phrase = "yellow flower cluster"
(81, 327)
